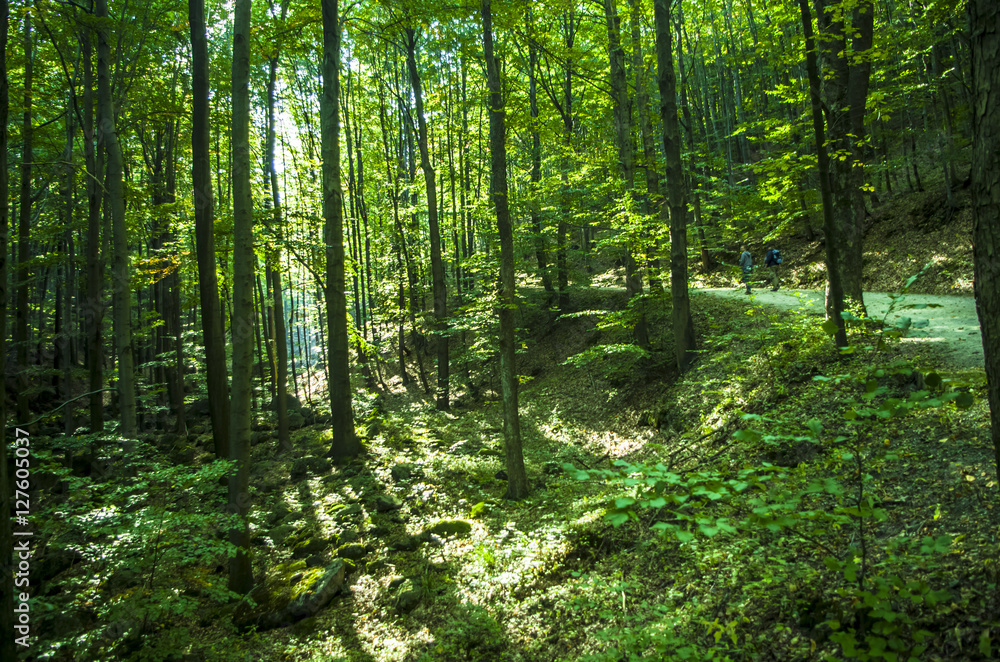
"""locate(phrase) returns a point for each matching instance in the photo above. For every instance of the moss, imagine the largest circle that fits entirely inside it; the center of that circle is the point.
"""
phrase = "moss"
(456, 527)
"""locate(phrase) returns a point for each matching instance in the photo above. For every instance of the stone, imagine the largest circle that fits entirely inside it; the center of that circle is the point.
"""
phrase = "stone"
(408, 594)
(309, 546)
(348, 511)
(296, 421)
(280, 602)
(305, 466)
(291, 403)
(385, 503)
(401, 472)
(405, 544)
(280, 534)
(349, 535)
(352, 551)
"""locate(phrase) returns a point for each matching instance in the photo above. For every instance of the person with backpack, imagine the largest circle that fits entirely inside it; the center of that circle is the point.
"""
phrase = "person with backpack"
(746, 264)
(772, 261)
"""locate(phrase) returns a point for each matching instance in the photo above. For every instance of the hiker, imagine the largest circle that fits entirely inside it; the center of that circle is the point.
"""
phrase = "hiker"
(746, 263)
(772, 262)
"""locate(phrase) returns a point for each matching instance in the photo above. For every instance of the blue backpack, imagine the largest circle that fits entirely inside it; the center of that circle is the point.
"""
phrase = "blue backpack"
(775, 255)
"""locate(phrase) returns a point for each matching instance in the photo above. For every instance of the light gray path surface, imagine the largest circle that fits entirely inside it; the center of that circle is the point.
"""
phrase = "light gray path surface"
(952, 329)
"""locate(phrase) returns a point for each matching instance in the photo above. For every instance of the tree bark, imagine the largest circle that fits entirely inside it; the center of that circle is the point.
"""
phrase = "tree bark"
(121, 294)
(517, 479)
(345, 442)
(204, 219)
(437, 266)
(95, 266)
(676, 207)
(834, 288)
(984, 24)
(7, 622)
(23, 273)
(845, 84)
(240, 570)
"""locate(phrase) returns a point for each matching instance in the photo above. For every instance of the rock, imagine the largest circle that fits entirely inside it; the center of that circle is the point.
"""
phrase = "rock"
(344, 512)
(182, 454)
(309, 546)
(281, 603)
(291, 403)
(408, 594)
(305, 466)
(385, 503)
(296, 421)
(349, 535)
(375, 566)
(279, 534)
(401, 472)
(280, 512)
(405, 544)
(198, 409)
(260, 437)
(351, 551)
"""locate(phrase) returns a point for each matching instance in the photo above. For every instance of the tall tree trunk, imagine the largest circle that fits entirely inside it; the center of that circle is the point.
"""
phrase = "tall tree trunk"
(984, 24)
(240, 570)
(834, 287)
(536, 158)
(121, 295)
(684, 340)
(7, 617)
(23, 273)
(345, 442)
(273, 258)
(204, 219)
(95, 265)
(517, 479)
(437, 265)
(845, 84)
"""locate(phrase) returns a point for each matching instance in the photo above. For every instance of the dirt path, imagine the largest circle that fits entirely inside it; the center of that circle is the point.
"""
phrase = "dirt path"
(951, 330)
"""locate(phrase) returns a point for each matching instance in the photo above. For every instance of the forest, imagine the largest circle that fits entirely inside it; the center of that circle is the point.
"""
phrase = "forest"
(429, 330)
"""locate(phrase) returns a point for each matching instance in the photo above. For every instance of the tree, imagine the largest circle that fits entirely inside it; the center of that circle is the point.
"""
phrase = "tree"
(846, 32)
(7, 650)
(121, 294)
(345, 442)
(204, 220)
(517, 479)
(676, 205)
(834, 285)
(240, 570)
(984, 27)
(437, 266)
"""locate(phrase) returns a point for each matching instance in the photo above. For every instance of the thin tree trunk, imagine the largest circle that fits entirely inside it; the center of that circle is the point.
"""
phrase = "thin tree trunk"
(240, 569)
(7, 616)
(121, 294)
(345, 442)
(23, 273)
(204, 214)
(517, 479)
(834, 289)
(437, 266)
(684, 340)
(95, 266)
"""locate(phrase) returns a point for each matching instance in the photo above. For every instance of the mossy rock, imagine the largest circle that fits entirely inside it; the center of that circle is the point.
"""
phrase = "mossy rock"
(352, 551)
(455, 527)
(281, 533)
(291, 593)
(385, 503)
(310, 465)
(408, 594)
(309, 546)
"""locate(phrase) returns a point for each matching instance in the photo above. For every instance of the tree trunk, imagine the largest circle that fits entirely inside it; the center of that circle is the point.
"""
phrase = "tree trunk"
(7, 616)
(273, 258)
(95, 266)
(437, 266)
(683, 325)
(536, 159)
(240, 570)
(121, 294)
(23, 273)
(517, 479)
(204, 220)
(834, 288)
(984, 24)
(845, 83)
(345, 443)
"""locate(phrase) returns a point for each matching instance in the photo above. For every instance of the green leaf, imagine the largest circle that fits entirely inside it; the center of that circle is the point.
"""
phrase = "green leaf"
(932, 380)
(815, 426)
(621, 503)
(984, 643)
(964, 400)
(830, 327)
